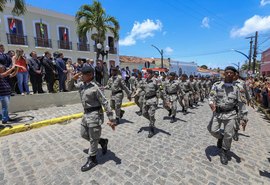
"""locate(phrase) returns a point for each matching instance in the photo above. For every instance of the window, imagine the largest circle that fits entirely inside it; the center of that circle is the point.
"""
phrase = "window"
(82, 45)
(111, 45)
(63, 42)
(16, 33)
(42, 39)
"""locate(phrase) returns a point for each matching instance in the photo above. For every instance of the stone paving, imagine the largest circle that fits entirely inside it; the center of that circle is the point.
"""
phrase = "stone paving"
(180, 153)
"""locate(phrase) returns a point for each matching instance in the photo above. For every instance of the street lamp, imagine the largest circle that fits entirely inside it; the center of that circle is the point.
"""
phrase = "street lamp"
(237, 65)
(248, 57)
(102, 51)
(161, 54)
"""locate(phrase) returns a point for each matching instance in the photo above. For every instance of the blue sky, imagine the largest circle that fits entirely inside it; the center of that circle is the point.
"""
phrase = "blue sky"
(203, 31)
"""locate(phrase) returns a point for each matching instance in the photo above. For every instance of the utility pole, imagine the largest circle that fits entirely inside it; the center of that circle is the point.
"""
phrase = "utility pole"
(255, 52)
(250, 51)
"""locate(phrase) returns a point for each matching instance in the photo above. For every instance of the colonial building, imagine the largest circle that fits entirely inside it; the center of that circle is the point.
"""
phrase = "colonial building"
(43, 30)
(265, 63)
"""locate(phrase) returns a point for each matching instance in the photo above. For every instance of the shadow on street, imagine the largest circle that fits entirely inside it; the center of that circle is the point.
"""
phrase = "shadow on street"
(157, 130)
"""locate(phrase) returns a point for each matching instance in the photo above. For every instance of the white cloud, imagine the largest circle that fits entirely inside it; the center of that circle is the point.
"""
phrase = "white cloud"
(253, 24)
(141, 31)
(264, 2)
(168, 50)
(164, 33)
(205, 22)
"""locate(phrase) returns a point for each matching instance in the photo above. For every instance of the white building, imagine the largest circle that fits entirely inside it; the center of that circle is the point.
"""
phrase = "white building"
(188, 68)
(58, 34)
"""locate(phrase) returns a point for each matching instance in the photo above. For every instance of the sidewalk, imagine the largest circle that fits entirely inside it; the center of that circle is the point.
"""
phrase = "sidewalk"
(27, 120)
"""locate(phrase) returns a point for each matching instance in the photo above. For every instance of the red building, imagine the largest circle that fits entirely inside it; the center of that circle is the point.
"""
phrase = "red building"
(265, 63)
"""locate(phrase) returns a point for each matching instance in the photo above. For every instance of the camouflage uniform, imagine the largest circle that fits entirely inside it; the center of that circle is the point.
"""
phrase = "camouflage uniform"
(139, 97)
(117, 85)
(170, 91)
(151, 88)
(244, 98)
(226, 97)
(93, 99)
(184, 99)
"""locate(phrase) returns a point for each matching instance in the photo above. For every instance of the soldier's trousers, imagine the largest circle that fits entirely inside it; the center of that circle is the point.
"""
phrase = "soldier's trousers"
(207, 90)
(196, 96)
(91, 134)
(116, 103)
(173, 102)
(184, 101)
(214, 128)
(237, 124)
(202, 93)
(149, 110)
(139, 101)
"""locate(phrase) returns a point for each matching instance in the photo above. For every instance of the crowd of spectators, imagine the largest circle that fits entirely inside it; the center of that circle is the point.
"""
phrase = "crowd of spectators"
(260, 90)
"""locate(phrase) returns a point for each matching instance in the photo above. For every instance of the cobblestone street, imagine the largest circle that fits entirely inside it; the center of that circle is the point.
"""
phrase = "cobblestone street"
(180, 153)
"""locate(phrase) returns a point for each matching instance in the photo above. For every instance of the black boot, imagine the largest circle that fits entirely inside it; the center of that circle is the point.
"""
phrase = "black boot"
(185, 112)
(173, 119)
(104, 144)
(183, 109)
(139, 113)
(219, 142)
(91, 163)
(151, 132)
(170, 112)
(235, 136)
(223, 157)
(122, 113)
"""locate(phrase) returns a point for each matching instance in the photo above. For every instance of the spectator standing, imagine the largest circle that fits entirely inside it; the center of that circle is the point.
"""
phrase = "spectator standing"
(99, 72)
(70, 74)
(62, 72)
(106, 74)
(36, 73)
(49, 71)
(79, 65)
(89, 62)
(12, 80)
(5, 91)
(22, 73)
(123, 74)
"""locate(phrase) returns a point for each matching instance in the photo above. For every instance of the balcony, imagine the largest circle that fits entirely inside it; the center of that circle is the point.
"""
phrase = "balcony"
(64, 45)
(113, 50)
(43, 42)
(83, 47)
(16, 39)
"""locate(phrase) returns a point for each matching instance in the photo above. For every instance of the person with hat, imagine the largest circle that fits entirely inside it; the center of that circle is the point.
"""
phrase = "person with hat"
(139, 96)
(170, 93)
(246, 99)
(92, 99)
(224, 101)
(208, 85)
(150, 88)
(188, 89)
(116, 84)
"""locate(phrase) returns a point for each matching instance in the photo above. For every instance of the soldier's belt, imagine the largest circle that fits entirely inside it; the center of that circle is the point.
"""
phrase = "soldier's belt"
(117, 92)
(92, 109)
(175, 93)
(222, 110)
(149, 97)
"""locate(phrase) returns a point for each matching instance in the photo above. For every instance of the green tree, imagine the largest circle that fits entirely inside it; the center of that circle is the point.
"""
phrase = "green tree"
(18, 9)
(90, 17)
(204, 67)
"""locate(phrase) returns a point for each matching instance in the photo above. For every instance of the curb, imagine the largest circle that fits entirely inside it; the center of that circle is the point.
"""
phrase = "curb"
(39, 124)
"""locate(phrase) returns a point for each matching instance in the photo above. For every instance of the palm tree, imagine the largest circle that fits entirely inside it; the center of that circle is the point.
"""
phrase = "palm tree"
(18, 9)
(90, 17)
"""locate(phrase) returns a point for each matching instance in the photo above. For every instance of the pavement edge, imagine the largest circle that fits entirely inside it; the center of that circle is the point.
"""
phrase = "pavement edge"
(25, 127)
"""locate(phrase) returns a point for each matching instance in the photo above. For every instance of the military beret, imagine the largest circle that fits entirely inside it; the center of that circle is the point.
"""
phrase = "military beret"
(191, 76)
(150, 71)
(231, 68)
(87, 69)
(172, 74)
(184, 75)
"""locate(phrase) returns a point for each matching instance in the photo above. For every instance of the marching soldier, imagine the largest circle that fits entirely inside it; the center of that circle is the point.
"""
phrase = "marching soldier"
(193, 97)
(92, 100)
(208, 85)
(187, 88)
(117, 85)
(197, 89)
(170, 92)
(202, 92)
(224, 101)
(151, 88)
(245, 99)
(139, 97)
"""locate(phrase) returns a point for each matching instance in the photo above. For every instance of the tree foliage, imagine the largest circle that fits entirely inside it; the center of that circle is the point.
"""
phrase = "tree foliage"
(18, 9)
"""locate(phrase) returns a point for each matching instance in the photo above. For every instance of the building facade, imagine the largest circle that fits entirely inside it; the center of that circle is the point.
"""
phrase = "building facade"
(265, 63)
(43, 30)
